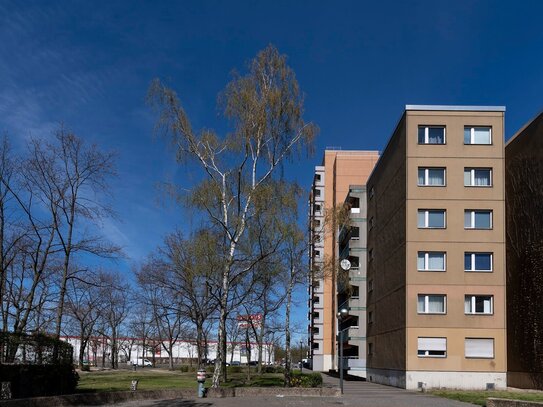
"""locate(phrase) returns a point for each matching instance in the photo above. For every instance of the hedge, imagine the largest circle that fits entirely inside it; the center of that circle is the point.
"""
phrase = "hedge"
(39, 380)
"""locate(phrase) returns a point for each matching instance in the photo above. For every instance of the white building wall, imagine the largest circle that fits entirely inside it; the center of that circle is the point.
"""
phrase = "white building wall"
(181, 350)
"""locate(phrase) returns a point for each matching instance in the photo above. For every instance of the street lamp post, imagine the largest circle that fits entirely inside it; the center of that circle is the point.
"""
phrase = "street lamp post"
(301, 356)
(340, 315)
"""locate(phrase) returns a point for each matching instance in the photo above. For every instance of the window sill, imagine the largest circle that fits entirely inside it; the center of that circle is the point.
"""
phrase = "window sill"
(478, 271)
(431, 313)
(479, 314)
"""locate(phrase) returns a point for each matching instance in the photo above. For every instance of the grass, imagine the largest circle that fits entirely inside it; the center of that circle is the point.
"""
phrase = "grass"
(479, 397)
(153, 379)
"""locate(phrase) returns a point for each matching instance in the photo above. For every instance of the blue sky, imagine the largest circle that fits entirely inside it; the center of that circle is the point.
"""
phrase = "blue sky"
(89, 64)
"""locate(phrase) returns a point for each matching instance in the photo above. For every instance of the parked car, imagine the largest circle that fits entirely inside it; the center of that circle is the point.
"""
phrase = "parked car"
(253, 363)
(236, 363)
(142, 362)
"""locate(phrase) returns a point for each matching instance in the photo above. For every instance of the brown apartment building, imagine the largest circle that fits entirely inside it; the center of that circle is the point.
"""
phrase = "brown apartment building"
(436, 251)
(330, 187)
(524, 209)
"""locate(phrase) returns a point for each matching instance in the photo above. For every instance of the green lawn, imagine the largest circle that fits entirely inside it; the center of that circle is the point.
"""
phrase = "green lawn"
(151, 379)
(479, 397)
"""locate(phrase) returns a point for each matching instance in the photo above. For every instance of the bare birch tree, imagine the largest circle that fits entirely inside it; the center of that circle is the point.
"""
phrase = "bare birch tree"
(265, 109)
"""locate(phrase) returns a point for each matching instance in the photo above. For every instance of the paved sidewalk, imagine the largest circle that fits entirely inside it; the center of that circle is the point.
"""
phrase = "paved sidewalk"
(356, 394)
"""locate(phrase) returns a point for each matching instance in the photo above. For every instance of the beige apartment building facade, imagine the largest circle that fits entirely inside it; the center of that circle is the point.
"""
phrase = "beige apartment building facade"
(330, 187)
(436, 251)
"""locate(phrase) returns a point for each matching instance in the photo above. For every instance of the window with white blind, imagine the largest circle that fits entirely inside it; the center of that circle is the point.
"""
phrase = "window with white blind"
(431, 261)
(479, 348)
(431, 304)
(432, 347)
(478, 304)
(477, 135)
(477, 177)
(431, 177)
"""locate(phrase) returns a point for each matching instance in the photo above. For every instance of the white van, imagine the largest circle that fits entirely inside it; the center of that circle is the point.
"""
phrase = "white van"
(142, 362)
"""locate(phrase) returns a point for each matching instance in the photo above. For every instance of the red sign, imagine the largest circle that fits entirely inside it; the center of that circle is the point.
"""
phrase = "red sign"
(246, 321)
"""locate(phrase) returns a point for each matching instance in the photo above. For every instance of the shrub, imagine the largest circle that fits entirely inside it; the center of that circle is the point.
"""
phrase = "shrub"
(184, 368)
(314, 379)
(305, 380)
(39, 380)
(234, 369)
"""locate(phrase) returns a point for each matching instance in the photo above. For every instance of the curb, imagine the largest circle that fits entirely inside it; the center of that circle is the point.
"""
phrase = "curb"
(124, 396)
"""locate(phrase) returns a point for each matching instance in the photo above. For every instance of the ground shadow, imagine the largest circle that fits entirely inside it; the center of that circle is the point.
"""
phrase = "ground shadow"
(181, 403)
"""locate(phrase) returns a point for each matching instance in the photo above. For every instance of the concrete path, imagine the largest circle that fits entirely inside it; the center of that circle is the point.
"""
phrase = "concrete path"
(356, 394)
(365, 394)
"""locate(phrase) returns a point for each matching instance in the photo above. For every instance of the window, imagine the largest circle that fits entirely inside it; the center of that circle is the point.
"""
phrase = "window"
(372, 192)
(317, 177)
(317, 253)
(431, 261)
(478, 304)
(370, 254)
(477, 135)
(431, 177)
(431, 135)
(431, 218)
(477, 261)
(315, 346)
(477, 177)
(317, 192)
(370, 317)
(317, 208)
(479, 348)
(477, 219)
(370, 285)
(432, 347)
(431, 304)
(316, 300)
(371, 223)
(370, 348)
(355, 233)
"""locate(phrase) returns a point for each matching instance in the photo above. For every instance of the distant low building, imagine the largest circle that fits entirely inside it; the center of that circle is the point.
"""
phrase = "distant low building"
(184, 352)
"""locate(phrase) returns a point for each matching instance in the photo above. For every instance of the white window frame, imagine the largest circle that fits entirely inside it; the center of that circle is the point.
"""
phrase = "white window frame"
(472, 177)
(473, 269)
(427, 304)
(426, 177)
(481, 355)
(472, 220)
(427, 134)
(429, 344)
(427, 261)
(472, 135)
(472, 310)
(427, 216)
